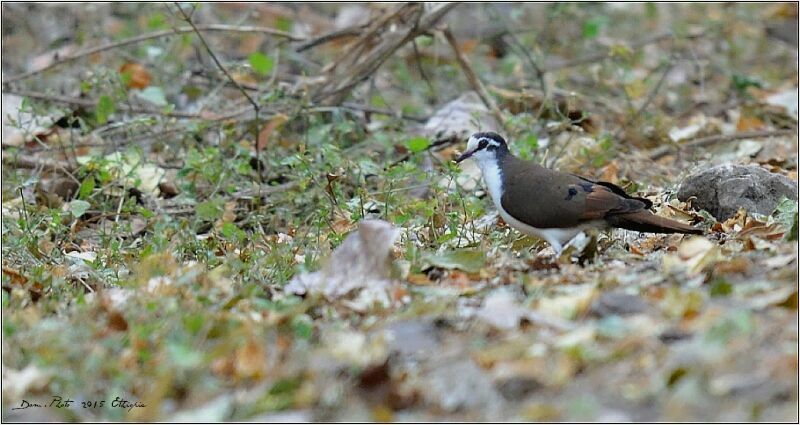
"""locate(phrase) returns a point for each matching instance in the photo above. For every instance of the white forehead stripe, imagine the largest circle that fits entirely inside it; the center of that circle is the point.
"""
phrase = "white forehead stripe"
(490, 141)
(473, 143)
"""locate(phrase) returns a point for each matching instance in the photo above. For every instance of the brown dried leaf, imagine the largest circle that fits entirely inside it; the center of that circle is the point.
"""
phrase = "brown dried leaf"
(749, 123)
(139, 77)
(251, 360)
(116, 321)
(265, 135)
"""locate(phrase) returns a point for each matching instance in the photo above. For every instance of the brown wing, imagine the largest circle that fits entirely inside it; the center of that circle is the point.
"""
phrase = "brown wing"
(545, 198)
(602, 201)
(564, 201)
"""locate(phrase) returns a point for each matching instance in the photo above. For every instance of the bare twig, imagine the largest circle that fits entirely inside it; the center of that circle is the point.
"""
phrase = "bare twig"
(420, 68)
(364, 108)
(329, 37)
(662, 151)
(603, 53)
(367, 62)
(256, 108)
(648, 101)
(33, 162)
(473, 79)
(91, 103)
(536, 68)
(153, 35)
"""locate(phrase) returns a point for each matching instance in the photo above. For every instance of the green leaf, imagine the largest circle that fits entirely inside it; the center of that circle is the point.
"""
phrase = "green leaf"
(261, 63)
(418, 144)
(184, 356)
(532, 141)
(78, 207)
(87, 187)
(591, 28)
(228, 229)
(126, 77)
(786, 214)
(720, 288)
(284, 24)
(154, 95)
(156, 21)
(467, 260)
(424, 40)
(303, 326)
(209, 210)
(741, 82)
(105, 107)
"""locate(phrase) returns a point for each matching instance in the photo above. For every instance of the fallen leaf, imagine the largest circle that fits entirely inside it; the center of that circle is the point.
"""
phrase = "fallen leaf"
(749, 123)
(470, 261)
(135, 75)
(500, 309)
(19, 383)
(359, 269)
(570, 305)
(269, 128)
(250, 360)
(694, 255)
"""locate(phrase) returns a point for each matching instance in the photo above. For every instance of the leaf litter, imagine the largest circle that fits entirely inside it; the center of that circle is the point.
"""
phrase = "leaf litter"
(368, 279)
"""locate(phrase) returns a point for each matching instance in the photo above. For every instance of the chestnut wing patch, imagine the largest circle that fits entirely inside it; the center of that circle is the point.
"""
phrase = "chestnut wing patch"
(602, 201)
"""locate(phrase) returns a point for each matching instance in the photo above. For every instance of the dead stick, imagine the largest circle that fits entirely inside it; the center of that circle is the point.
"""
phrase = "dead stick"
(91, 103)
(153, 35)
(331, 36)
(662, 151)
(650, 98)
(473, 80)
(33, 162)
(256, 108)
(604, 52)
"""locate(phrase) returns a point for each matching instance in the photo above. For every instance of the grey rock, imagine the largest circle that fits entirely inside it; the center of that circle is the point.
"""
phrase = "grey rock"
(413, 338)
(517, 387)
(618, 303)
(722, 190)
(462, 385)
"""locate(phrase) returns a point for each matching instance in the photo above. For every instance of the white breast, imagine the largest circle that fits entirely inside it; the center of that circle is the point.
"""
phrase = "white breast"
(493, 178)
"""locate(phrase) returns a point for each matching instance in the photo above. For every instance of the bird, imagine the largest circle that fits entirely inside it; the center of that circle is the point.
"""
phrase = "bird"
(557, 206)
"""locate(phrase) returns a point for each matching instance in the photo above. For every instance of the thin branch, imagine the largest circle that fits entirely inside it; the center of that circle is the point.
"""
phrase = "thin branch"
(518, 44)
(34, 163)
(603, 53)
(473, 79)
(663, 151)
(256, 108)
(341, 83)
(153, 35)
(421, 69)
(329, 37)
(91, 103)
(649, 99)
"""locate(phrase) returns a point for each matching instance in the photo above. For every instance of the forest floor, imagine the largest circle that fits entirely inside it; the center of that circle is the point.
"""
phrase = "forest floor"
(191, 202)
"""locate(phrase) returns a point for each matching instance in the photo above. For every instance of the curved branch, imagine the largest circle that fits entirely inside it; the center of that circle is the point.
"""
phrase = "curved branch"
(153, 35)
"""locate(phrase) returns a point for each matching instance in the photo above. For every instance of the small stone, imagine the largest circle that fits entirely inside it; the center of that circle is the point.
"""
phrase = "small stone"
(518, 387)
(618, 303)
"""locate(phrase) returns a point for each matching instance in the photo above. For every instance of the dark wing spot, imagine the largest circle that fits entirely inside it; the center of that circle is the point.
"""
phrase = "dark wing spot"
(587, 187)
(571, 193)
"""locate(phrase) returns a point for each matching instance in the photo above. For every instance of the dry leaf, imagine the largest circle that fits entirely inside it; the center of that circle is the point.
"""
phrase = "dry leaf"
(251, 360)
(694, 255)
(265, 135)
(358, 269)
(139, 77)
(749, 123)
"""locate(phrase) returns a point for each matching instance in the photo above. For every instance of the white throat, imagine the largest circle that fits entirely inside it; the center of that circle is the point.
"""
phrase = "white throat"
(492, 176)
